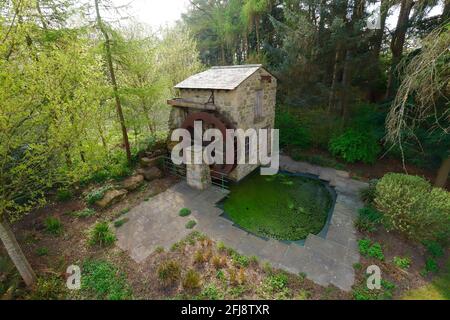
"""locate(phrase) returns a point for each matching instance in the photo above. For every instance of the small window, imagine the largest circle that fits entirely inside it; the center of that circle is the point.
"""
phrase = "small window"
(259, 104)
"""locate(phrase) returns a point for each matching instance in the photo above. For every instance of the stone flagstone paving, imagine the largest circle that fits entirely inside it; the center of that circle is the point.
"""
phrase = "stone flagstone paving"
(156, 223)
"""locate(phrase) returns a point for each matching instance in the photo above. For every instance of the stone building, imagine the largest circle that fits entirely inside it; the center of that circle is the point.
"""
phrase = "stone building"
(229, 97)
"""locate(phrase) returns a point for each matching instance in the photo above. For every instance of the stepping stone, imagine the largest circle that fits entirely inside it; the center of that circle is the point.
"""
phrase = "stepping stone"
(273, 252)
(295, 259)
(250, 245)
(331, 249)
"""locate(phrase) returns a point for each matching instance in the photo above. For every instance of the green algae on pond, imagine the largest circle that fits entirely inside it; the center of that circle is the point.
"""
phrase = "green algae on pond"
(282, 207)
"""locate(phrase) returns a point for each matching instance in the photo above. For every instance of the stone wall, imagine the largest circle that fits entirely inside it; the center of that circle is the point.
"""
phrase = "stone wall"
(237, 106)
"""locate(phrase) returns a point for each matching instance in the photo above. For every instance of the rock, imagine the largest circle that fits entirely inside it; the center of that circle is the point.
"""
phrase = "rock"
(132, 183)
(149, 162)
(151, 174)
(111, 197)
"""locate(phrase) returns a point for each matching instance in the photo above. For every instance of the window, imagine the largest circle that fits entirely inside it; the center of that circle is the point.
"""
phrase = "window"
(259, 104)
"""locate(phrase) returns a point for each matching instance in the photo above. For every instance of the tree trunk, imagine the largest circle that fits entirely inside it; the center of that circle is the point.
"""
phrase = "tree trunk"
(257, 34)
(112, 74)
(378, 38)
(442, 176)
(16, 254)
(398, 42)
(346, 84)
(334, 83)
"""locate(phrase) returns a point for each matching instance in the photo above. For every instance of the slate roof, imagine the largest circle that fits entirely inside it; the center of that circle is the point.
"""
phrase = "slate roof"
(220, 78)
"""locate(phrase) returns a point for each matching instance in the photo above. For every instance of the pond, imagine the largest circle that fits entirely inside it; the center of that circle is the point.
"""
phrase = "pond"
(283, 207)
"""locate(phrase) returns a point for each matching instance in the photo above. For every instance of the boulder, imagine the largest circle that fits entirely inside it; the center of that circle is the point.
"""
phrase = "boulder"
(132, 183)
(111, 197)
(151, 174)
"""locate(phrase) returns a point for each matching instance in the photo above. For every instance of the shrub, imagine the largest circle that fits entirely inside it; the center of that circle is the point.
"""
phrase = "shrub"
(292, 132)
(169, 272)
(97, 194)
(368, 194)
(191, 280)
(368, 219)
(431, 266)
(403, 263)
(42, 251)
(121, 222)
(185, 212)
(191, 224)
(211, 292)
(102, 235)
(63, 195)
(355, 145)
(412, 207)
(48, 288)
(369, 249)
(85, 213)
(103, 280)
(240, 260)
(434, 248)
(53, 226)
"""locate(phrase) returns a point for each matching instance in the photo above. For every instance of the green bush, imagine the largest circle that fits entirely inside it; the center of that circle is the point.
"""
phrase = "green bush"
(63, 195)
(355, 145)
(85, 213)
(368, 219)
(211, 292)
(292, 132)
(185, 212)
(369, 249)
(102, 280)
(191, 224)
(412, 207)
(102, 235)
(48, 288)
(240, 260)
(368, 194)
(403, 263)
(42, 251)
(434, 248)
(53, 226)
(191, 280)
(431, 266)
(169, 272)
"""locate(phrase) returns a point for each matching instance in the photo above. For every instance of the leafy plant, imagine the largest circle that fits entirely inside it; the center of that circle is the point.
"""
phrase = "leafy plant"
(412, 207)
(48, 288)
(211, 292)
(85, 213)
(403, 263)
(434, 248)
(367, 248)
(355, 145)
(191, 224)
(368, 219)
(102, 235)
(240, 260)
(185, 212)
(121, 222)
(103, 280)
(53, 226)
(368, 194)
(292, 133)
(169, 272)
(42, 251)
(63, 195)
(97, 194)
(191, 280)
(431, 266)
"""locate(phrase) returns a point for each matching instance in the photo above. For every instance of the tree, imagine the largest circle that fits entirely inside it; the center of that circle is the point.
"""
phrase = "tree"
(423, 96)
(112, 74)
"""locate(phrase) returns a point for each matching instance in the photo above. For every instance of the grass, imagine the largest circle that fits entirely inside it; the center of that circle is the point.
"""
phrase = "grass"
(438, 289)
(281, 207)
(185, 212)
(101, 235)
(53, 226)
(102, 280)
(191, 224)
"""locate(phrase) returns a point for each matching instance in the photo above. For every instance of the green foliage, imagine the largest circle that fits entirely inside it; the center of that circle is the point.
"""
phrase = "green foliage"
(85, 213)
(121, 222)
(97, 194)
(101, 235)
(403, 263)
(53, 226)
(368, 194)
(411, 206)
(191, 224)
(42, 251)
(240, 260)
(319, 160)
(431, 266)
(185, 212)
(211, 292)
(274, 286)
(63, 195)
(434, 248)
(292, 133)
(361, 292)
(48, 288)
(102, 280)
(356, 145)
(169, 272)
(368, 219)
(191, 280)
(369, 249)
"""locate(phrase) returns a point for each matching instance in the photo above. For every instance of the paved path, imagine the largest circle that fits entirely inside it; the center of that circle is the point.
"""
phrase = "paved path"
(325, 261)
